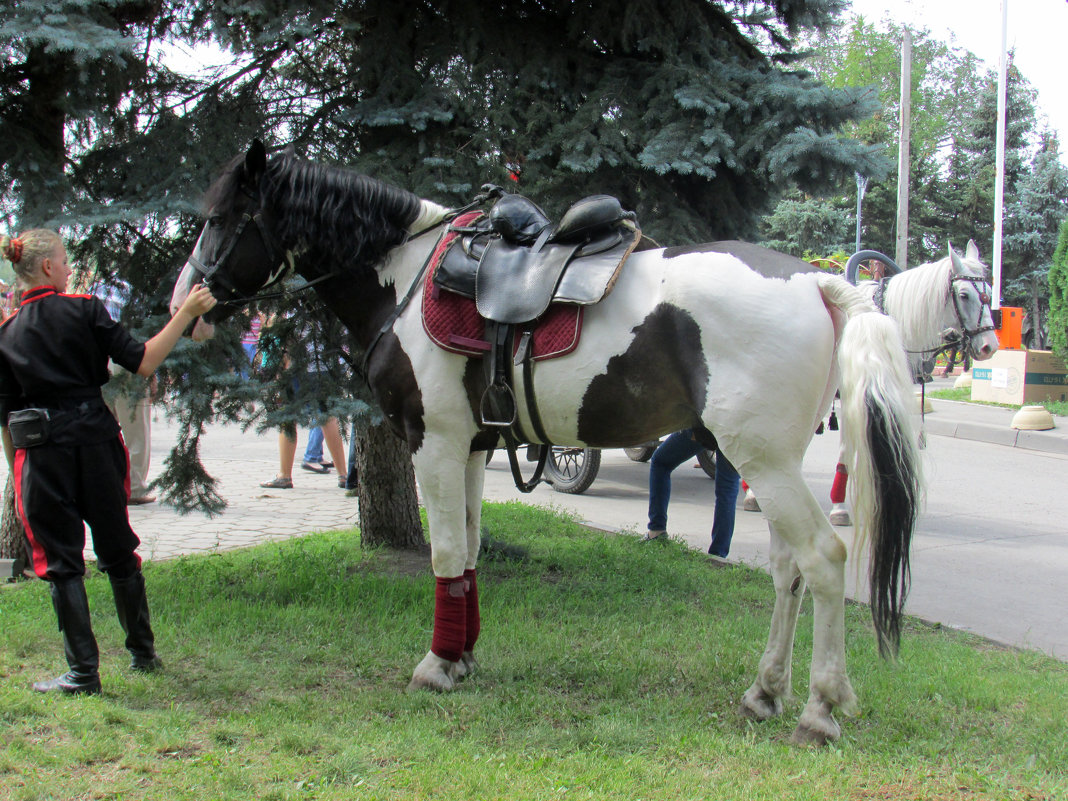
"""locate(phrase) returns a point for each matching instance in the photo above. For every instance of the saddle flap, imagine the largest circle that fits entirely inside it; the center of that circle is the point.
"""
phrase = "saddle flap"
(456, 271)
(515, 284)
(596, 266)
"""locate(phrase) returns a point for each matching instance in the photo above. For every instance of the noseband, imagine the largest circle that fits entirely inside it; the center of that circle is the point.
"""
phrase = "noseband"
(212, 277)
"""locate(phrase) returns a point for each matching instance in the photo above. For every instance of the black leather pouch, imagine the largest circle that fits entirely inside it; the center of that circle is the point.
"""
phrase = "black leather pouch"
(29, 427)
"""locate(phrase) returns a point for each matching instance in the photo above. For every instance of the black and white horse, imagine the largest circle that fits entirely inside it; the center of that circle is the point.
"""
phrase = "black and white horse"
(686, 337)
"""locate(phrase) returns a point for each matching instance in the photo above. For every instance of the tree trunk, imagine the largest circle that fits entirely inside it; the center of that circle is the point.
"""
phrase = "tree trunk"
(389, 507)
(13, 542)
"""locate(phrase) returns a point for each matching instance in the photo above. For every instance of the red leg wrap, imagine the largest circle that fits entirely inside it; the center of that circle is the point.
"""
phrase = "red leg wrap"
(450, 619)
(838, 488)
(745, 486)
(474, 620)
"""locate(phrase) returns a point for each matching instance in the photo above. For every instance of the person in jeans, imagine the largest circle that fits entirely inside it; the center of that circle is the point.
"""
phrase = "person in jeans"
(672, 452)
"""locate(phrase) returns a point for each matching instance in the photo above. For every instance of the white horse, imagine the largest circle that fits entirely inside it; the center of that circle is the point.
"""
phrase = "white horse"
(685, 338)
(937, 305)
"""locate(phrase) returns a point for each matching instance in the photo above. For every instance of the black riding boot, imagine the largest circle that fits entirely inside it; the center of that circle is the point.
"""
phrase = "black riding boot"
(132, 607)
(72, 611)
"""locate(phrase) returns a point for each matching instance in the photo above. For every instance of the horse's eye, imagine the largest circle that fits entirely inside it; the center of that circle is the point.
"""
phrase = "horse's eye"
(215, 220)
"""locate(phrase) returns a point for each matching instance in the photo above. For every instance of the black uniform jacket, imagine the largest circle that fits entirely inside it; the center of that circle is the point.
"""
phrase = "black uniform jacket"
(54, 354)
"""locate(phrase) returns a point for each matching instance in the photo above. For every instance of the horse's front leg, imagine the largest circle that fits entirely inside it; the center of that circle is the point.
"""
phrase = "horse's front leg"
(772, 686)
(443, 475)
(475, 478)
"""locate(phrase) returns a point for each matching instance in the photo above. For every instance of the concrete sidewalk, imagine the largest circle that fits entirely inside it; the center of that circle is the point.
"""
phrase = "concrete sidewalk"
(990, 424)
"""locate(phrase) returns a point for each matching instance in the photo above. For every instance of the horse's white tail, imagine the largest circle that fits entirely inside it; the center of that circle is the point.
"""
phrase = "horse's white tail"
(881, 453)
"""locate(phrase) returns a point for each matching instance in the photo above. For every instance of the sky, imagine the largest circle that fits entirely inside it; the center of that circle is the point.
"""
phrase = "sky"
(1037, 29)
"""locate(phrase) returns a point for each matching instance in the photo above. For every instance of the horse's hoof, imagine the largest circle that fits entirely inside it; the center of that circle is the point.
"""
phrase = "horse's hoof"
(468, 664)
(757, 704)
(840, 517)
(817, 725)
(750, 504)
(464, 668)
(818, 733)
(433, 673)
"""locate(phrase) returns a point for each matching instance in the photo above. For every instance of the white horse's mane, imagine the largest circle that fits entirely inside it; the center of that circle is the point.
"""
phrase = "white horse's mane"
(918, 298)
(430, 213)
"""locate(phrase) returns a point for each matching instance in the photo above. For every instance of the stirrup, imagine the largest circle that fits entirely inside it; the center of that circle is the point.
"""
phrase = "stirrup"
(489, 405)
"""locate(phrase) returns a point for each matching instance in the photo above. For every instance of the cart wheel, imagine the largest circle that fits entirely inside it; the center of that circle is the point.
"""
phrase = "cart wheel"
(641, 453)
(707, 460)
(572, 470)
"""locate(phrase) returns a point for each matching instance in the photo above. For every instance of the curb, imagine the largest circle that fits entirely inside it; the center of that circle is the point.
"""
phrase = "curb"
(948, 425)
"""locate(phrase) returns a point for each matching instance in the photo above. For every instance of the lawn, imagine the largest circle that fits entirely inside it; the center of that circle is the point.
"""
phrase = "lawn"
(964, 394)
(610, 669)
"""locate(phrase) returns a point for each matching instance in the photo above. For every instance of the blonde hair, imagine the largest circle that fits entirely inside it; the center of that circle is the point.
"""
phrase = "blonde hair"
(28, 251)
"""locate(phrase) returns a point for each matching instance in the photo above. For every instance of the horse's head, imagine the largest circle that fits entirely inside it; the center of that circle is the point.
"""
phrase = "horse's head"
(970, 295)
(237, 252)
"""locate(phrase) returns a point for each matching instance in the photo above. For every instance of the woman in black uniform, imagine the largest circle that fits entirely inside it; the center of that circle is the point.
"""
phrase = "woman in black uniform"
(63, 446)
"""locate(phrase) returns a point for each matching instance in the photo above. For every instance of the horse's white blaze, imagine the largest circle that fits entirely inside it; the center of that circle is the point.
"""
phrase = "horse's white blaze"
(186, 279)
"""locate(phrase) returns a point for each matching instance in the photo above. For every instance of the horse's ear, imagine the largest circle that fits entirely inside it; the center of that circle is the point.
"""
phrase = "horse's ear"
(255, 161)
(972, 252)
(958, 265)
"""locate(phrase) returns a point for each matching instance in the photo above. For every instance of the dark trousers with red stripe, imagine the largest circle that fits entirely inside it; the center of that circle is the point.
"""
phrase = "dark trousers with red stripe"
(60, 488)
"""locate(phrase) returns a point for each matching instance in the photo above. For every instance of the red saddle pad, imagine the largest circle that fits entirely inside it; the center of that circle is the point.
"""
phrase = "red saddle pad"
(452, 322)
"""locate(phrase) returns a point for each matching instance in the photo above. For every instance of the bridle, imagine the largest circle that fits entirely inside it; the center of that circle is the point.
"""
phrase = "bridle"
(213, 278)
(963, 338)
(953, 339)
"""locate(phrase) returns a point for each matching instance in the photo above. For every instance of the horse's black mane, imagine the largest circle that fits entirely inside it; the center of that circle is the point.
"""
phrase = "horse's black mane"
(329, 213)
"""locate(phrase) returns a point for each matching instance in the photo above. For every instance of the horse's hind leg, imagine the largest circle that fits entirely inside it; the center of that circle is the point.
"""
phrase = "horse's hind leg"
(764, 698)
(820, 557)
(839, 514)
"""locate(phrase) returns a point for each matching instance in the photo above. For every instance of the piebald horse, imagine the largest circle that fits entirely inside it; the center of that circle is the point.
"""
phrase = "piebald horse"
(684, 339)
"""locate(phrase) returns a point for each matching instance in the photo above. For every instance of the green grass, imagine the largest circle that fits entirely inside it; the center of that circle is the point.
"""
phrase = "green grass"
(610, 669)
(965, 394)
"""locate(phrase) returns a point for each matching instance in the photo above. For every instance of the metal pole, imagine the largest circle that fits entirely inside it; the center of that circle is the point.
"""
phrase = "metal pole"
(999, 160)
(901, 253)
(862, 186)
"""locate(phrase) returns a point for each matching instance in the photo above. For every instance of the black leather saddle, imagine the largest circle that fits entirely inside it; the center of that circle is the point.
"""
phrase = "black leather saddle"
(514, 262)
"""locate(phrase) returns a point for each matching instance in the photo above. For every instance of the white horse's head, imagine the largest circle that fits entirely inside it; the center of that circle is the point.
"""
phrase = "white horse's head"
(969, 308)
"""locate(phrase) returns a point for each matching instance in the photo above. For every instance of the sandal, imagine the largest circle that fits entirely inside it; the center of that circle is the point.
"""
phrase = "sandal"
(279, 482)
(314, 467)
(652, 536)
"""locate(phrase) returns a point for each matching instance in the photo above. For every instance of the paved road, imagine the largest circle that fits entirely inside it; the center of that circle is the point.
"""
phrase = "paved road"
(990, 553)
(990, 556)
